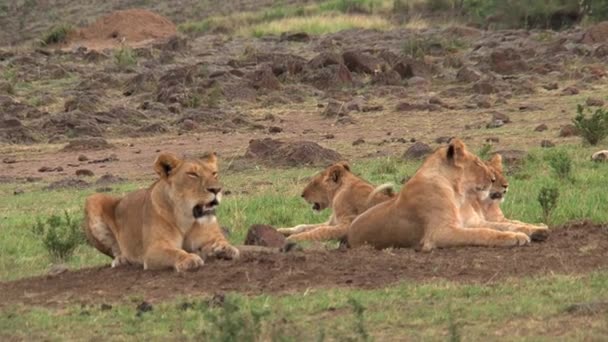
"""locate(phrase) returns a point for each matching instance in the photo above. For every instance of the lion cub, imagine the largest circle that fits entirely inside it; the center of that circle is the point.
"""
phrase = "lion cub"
(170, 224)
(345, 194)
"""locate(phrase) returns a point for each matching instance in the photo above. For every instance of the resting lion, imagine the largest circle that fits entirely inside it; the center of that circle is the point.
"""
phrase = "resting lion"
(170, 224)
(487, 213)
(426, 213)
(345, 194)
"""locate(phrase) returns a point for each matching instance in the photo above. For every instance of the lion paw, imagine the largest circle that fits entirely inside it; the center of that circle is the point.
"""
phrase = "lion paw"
(190, 262)
(119, 261)
(521, 239)
(225, 251)
(539, 235)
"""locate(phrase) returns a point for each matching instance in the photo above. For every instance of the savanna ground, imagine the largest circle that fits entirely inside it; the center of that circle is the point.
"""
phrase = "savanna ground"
(414, 76)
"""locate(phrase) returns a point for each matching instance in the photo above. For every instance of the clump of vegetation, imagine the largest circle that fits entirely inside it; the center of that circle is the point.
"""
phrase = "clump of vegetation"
(547, 198)
(193, 100)
(593, 129)
(214, 96)
(359, 310)
(229, 322)
(561, 163)
(125, 57)
(56, 35)
(60, 235)
(484, 151)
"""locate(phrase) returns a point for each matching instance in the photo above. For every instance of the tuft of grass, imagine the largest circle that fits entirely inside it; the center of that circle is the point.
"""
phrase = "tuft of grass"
(125, 57)
(318, 24)
(547, 198)
(60, 235)
(57, 34)
(593, 129)
(561, 163)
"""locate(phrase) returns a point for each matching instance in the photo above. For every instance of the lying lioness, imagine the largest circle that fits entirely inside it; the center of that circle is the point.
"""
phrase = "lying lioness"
(345, 194)
(170, 224)
(487, 213)
(426, 213)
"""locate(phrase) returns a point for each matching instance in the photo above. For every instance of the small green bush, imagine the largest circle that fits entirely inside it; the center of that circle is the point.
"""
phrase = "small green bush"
(125, 57)
(231, 323)
(547, 198)
(60, 235)
(593, 129)
(56, 35)
(561, 163)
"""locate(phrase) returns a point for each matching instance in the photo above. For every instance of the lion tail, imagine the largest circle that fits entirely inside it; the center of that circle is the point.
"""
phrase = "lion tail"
(386, 189)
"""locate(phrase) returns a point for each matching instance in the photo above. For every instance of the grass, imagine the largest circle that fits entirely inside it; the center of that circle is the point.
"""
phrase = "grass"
(516, 310)
(56, 35)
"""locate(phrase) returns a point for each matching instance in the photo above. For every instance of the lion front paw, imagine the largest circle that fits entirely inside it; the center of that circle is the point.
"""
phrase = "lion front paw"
(520, 239)
(225, 251)
(539, 235)
(189, 262)
(119, 261)
(285, 231)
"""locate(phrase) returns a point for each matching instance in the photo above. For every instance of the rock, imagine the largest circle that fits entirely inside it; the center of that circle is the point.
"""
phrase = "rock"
(82, 158)
(512, 157)
(325, 59)
(417, 151)
(417, 81)
(334, 108)
(50, 169)
(568, 130)
(495, 140)
(143, 307)
(468, 75)
(596, 34)
(87, 103)
(358, 142)
(9, 160)
(362, 62)
(600, 156)
(507, 62)
(84, 173)
(67, 183)
(264, 78)
(331, 76)
(443, 140)
(541, 128)
(547, 143)
(108, 179)
(294, 153)
(500, 116)
(274, 129)
(189, 125)
(495, 124)
(389, 77)
(484, 87)
(295, 37)
(594, 102)
(18, 192)
(570, 91)
(264, 235)
(87, 144)
(551, 86)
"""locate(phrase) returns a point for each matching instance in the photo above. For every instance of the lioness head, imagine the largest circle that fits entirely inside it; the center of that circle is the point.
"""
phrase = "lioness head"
(320, 189)
(501, 185)
(194, 190)
(476, 175)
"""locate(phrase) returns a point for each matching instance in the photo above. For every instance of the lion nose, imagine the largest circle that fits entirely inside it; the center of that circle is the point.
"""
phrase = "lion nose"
(215, 190)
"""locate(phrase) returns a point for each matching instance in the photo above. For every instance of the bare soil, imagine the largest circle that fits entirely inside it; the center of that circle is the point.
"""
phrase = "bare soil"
(576, 248)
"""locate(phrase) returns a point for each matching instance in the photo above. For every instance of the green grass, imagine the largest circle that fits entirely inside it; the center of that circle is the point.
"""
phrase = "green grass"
(57, 34)
(516, 310)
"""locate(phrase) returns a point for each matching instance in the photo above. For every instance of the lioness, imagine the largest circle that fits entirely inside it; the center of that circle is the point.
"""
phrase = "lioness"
(170, 224)
(345, 194)
(426, 213)
(478, 212)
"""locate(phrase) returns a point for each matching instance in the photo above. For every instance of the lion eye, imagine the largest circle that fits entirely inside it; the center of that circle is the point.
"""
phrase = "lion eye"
(493, 179)
(192, 174)
(214, 174)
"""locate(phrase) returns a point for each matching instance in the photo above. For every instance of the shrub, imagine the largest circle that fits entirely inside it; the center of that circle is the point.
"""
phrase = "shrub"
(60, 235)
(593, 129)
(125, 57)
(231, 323)
(547, 198)
(56, 35)
(561, 163)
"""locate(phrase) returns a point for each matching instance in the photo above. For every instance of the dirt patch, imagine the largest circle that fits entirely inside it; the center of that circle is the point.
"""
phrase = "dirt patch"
(133, 27)
(572, 249)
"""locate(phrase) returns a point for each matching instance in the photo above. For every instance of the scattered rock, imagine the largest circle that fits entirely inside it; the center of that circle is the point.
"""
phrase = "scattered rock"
(417, 151)
(274, 129)
(541, 128)
(67, 183)
(547, 144)
(507, 62)
(358, 142)
(108, 179)
(551, 86)
(294, 153)
(84, 173)
(484, 87)
(594, 102)
(50, 169)
(568, 130)
(143, 307)
(443, 140)
(500, 116)
(588, 308)
(18, 192)
(87, 144)
(111, 158)
(264, 78)
(570, 91)
(264, 235)
(295, 37)
(495, 123)
(334, 108)
(495, 140)
(82, 158)
(596, 34)
(468, 75)
(9, 160)
(362, 62)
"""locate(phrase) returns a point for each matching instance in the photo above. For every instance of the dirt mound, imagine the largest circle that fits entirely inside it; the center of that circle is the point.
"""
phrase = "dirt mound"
(572, 249)
(297, 153)
(133, 27)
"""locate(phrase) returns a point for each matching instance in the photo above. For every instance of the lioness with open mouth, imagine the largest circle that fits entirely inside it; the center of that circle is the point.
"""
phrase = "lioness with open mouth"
(346, 194)
(170, 224)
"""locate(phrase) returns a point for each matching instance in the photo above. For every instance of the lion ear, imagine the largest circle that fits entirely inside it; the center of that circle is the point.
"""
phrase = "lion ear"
(496, 161)
(165, 163)
(344, 164)
(456, 150)
(210, 157)
(336, 172)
